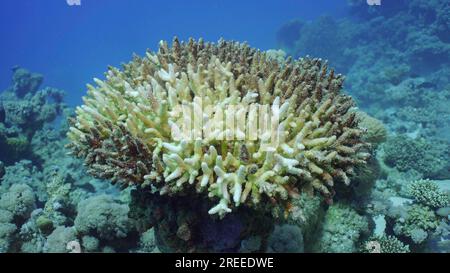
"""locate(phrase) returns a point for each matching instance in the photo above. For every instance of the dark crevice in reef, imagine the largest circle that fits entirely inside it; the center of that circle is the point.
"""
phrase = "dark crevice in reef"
(183, 224)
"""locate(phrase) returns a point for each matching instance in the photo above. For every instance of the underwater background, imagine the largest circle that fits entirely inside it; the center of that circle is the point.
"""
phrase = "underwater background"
(396, 60)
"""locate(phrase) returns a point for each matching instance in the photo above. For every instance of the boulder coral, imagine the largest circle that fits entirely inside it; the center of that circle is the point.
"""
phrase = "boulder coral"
(7, 230)
(125, 129)
(19, 200)
(58, 241)
(103, 217)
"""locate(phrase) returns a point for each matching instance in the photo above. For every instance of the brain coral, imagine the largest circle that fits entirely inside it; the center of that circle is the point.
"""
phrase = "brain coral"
(124, 130)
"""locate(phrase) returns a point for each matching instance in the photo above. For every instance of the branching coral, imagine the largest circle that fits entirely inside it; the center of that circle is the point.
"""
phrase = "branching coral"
(124, 129)
(428, 193)
(418, 222)
(390, 244)
(387, 244)
(420, 155)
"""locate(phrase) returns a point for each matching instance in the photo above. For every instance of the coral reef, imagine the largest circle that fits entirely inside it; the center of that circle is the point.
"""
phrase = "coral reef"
(41, 186)
(2, 169)
(428, 193)
(24, 172)
(398, 74)
(24, 110)
(7, 230)
(286, 239)
(58, 240)
(387, 244)
(439, 240)
(183, 224)
(123, 130)
(19, 200)
(252, 244)
(103, 217)
(341, 231)
(375, 131)
(58, 208)
(418, 222)
(147, 242)
(300, 38)
(431, 160)
(25, 82)
(307, 212)
(90, 243)
(209, 193)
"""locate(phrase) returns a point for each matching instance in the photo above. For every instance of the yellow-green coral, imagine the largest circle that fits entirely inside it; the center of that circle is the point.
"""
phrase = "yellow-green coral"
(428, 193)
(124, 129)
(375, 131)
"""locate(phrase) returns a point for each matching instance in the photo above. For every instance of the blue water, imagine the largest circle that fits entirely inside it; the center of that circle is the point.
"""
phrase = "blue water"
(72, 44)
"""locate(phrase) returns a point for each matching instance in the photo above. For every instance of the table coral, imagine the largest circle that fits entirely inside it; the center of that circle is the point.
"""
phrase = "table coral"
(123, 130)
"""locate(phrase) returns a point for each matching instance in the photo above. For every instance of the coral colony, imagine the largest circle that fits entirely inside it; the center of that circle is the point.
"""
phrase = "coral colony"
(124, 130)
(221, 147)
